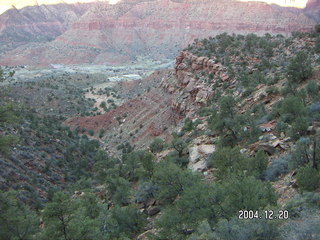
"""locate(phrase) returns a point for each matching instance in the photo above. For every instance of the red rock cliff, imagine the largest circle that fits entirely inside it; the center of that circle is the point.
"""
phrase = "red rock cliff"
(159, 28)
(37, 24)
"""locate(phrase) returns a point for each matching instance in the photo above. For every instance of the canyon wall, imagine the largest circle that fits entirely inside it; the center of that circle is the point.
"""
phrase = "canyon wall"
(37, 24)
(313, 10)
(158, 28)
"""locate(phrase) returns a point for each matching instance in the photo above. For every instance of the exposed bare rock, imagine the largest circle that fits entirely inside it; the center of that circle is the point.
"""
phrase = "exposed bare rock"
(269, 126)
(138, 120)
(146, 235)
(37, 24)
(198, 156)
(268, 148)
(118, 33)
(313, 10)
(269, 143)
(193, 92)
(153, 211)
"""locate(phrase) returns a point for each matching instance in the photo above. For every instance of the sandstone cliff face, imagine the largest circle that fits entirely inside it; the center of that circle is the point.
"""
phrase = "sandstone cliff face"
(37, 24)
(313, 10)
(175, 95)
(190, 91)
(159, 28)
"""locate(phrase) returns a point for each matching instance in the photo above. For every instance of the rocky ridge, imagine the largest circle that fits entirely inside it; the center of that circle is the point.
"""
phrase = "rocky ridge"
(174, 95)
(138, 120)
(37, 24)
(160, 28)
(313, 9)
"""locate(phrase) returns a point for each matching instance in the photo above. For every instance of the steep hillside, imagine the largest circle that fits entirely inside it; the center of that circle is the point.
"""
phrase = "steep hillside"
(45, 151)
(37, 24)
(138, 120)
(159, 28)
(224, 146)
(313, 10)
(250, 67)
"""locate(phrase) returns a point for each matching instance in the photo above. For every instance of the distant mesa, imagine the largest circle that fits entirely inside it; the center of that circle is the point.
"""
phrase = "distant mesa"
(100, 33)
(283, 3)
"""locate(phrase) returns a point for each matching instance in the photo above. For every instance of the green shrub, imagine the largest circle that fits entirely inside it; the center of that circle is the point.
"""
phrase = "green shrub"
(17, 221)
(301, 154)
(180, 161)
(124, 223)
(305, 227)
(278, 167)
(308, 201)
(300, 68)
(299, 128)
(103, 104)
(235, 229)
(91, 132)
(119, 189)
(272, 90)
(171, 180)
(179, 145)
(308, 179)
(66, 218)
(205, 111)
(145, 192)
(246, 192)
(225, 160)
(230, 161)
(188, 125)
(6, 142)
(157, 145)
(313, 89)
(101, 133)
(194, 205)
(292, 108)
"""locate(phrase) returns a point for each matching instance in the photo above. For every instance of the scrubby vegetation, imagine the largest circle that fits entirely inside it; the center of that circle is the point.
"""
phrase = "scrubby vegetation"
(76, 190)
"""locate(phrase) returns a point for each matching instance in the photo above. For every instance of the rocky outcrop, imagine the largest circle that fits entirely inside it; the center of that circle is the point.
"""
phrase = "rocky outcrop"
(177, 94)
(187, 62)
(191, 91)
(198, 156)
(313, 10)
(159, 28)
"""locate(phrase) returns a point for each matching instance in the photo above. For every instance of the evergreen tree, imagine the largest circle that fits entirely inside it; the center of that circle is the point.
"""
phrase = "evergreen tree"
(195, 204)
(227, 123)
(119, 189)
(157, 145)
(172, 181)
(7, 115)
(17, 221)
(69, 219)
(104, 167)
(246, 192)
(179, 145)
(308, 179)
(123, 223)
(300, 68)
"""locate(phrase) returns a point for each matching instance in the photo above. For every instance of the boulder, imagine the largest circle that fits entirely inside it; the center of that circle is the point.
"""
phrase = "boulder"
(146, 234)
(198, 156)
(268, 148)
(199, 166)
(202, 96)
(153, 211)
(193, 154)
(206, 149)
